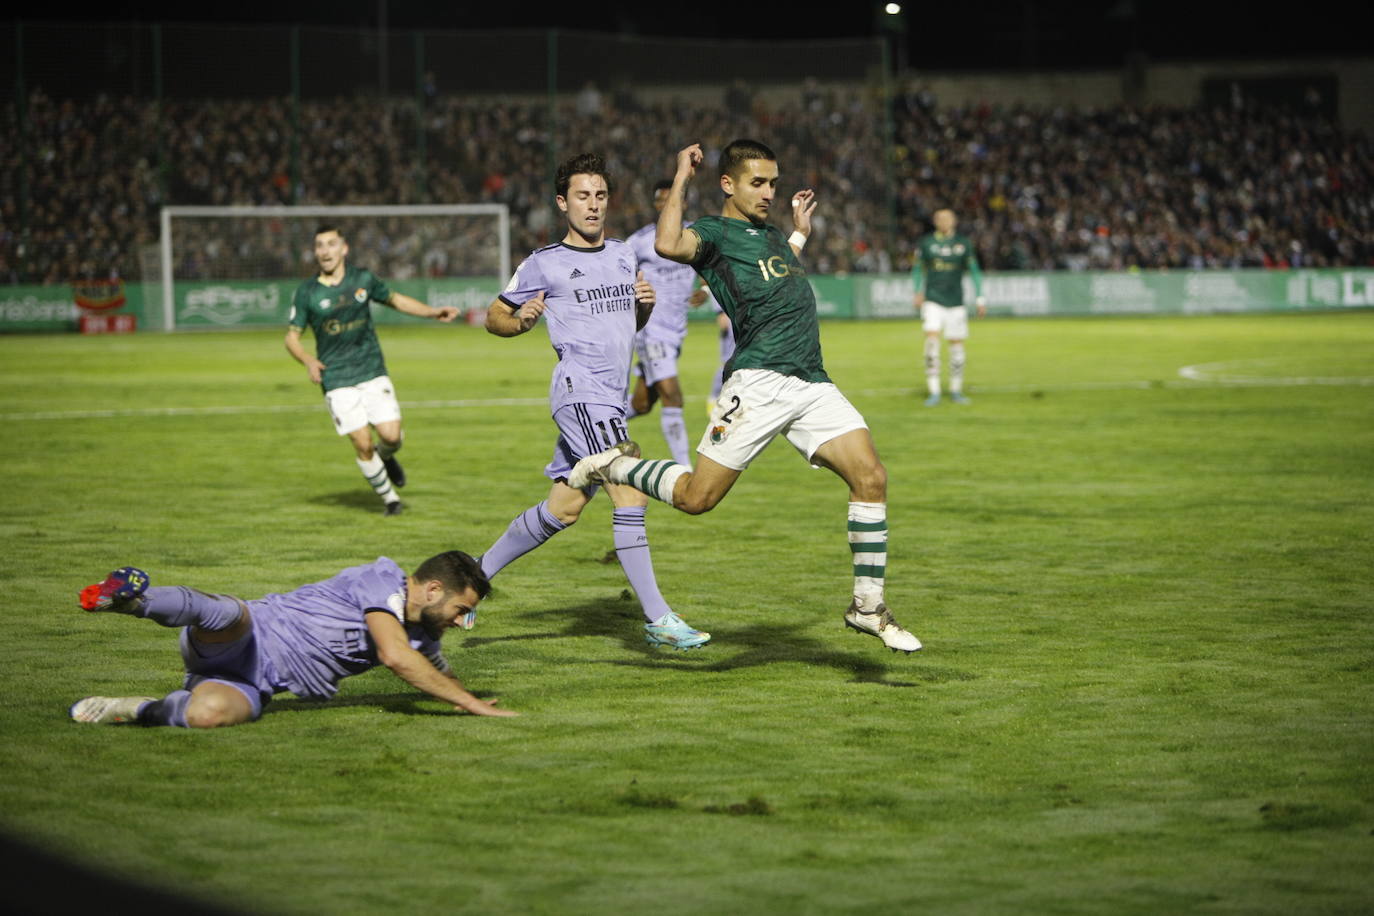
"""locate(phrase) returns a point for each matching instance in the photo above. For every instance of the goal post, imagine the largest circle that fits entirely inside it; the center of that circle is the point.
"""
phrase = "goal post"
(238, 266)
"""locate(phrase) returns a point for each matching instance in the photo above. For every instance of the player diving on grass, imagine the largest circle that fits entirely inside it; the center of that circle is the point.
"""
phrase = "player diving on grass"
(593, 300)
(775, 383)
(239, 654)
(348, 366)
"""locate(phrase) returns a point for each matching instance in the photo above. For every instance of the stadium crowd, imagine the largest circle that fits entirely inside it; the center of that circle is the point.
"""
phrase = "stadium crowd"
(1040, 189)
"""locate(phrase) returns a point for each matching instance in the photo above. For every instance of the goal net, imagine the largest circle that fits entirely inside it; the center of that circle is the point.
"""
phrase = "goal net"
(239, 266)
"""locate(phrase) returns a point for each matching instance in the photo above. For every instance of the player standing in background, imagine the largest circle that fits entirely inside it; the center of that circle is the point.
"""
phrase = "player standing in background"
(938, 274)
(775, 383)
(593, 300)
(239, 654)
(348, 366)
(659, 343)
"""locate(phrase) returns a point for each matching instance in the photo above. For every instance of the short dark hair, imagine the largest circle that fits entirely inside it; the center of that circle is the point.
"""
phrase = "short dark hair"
(322, 228)
(456, 571)
(733, 157)
(663, 184)
(581, 164)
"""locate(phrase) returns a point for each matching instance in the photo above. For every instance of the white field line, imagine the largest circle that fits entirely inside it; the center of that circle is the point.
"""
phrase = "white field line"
(252, 409)
(1199, 376)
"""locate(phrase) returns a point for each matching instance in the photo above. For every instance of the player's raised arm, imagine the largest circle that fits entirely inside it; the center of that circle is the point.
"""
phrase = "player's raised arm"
(803, 205)
(671, 240)
(411, 666)
(504, 320)
(403, 303)
(311, 364)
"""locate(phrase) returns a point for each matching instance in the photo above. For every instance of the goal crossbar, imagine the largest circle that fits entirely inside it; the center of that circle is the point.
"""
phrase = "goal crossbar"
(500, 211)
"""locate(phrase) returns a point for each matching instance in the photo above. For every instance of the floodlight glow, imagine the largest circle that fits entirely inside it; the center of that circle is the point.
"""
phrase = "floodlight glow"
(893, 9)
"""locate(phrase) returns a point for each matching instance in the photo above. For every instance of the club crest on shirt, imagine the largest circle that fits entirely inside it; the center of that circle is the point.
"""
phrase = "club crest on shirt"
(360, 294)
(718, 434)
(326, 303)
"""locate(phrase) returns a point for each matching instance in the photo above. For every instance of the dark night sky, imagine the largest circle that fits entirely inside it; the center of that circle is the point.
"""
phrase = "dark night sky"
(986, 34)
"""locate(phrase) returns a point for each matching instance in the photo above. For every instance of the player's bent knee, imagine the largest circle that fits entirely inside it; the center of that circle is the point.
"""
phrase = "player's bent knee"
(217, 708)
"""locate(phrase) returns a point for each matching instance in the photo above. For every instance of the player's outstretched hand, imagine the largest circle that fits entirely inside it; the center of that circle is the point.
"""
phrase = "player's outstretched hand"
(529, 312)
(688, 160)
(803, 205)
(644, 292)
(446, 313)
(486, 708)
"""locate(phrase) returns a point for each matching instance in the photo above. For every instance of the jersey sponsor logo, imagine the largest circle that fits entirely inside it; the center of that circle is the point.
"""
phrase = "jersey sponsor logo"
(627, 265)
(326, 303)
(333, 326)
(752, 231)
(773, 267)
(360, 294)
(576, 274)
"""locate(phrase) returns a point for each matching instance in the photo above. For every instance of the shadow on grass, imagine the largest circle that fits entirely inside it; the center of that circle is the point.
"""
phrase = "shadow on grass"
(361, 498)
(408, 704)
(747, 646)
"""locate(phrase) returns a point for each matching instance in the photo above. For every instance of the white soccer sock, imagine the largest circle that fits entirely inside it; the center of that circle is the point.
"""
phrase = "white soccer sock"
(933, 364)
(376, 475)
(654, 478)
(675, 434)
(868, 543)
(956, 367)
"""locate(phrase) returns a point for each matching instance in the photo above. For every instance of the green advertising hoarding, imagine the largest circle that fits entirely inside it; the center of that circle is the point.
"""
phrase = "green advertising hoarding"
(209, 305)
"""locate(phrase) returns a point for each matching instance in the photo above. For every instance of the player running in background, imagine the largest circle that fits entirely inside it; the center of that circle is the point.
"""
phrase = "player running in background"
(593, 300)
(659, 343)
(239, 654)
(348, 366)
(775, 383)
(938, 274)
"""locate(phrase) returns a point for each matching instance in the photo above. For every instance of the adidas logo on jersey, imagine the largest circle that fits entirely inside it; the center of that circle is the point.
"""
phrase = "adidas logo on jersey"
(575, 274)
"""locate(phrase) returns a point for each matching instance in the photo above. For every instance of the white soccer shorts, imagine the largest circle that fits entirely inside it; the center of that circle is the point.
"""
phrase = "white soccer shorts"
(950, 320)
(758, 404)
(355, 406)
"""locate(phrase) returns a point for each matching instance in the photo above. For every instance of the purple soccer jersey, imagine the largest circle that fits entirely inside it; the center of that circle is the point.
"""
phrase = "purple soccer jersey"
(672, 283)
(589, 311)
(317, 634)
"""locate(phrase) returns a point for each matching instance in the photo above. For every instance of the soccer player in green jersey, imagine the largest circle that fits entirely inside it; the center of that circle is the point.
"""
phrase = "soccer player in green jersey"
(337, 307)
(942, 258)
(776, 383)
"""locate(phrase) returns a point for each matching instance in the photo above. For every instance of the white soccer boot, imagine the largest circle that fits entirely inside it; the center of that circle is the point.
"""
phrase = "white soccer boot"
(883, 625)
(590, 470)
(108, 710)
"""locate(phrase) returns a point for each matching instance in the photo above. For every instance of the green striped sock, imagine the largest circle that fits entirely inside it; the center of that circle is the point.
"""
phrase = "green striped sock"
(868, 544)
(654, 478)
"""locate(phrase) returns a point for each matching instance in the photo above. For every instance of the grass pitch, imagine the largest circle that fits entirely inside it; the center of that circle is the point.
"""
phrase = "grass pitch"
(1140, 561)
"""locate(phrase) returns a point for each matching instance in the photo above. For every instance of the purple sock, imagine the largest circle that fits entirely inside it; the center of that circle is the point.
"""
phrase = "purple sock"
(527, 531)
(170, 710)
(179, 606)
(632, 549)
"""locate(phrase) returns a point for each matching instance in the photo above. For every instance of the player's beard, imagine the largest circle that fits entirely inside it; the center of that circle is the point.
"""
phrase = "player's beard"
(434, 620)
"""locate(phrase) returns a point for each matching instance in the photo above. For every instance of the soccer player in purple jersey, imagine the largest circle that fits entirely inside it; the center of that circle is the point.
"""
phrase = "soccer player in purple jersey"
(593, 301)
(239, 654)
(659, 343)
